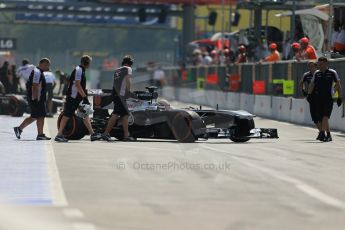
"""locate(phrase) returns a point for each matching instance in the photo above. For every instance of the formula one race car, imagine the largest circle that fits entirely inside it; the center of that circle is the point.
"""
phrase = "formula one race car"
(13, 105)
(154, 119)
(16, 105)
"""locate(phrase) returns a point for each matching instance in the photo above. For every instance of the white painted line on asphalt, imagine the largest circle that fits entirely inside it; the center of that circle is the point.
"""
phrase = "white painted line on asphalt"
(321, 196)
(24, 166)
(73, 213)
(83, 226)
(56, 189)
(300, 185)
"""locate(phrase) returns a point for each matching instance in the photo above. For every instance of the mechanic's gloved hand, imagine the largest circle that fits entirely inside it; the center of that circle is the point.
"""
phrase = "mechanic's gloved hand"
(339, 101)
(305, 93)
(309, 98)
(86, 101)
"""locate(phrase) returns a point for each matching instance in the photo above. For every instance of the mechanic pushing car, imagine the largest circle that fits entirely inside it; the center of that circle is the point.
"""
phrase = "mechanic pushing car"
(76, 96)
(36, 96)
(121, 88)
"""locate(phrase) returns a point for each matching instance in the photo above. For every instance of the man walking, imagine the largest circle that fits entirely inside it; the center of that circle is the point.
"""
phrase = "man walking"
(322, 85)
(304, 85)
(24, 71)
(121, 87)
(36, 96)
(77, 93)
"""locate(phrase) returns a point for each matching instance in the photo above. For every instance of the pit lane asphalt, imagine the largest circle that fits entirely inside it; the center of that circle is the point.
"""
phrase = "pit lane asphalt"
(293, 182)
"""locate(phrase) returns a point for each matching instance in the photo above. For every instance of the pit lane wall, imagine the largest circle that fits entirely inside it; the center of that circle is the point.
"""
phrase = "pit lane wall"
(268, 90)
(287, 109)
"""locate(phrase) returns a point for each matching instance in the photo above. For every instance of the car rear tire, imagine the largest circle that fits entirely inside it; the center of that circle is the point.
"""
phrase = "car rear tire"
(182, 129)
(75, 128)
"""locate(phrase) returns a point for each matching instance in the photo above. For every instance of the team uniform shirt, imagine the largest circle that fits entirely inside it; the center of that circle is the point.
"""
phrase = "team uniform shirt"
(36, 77)
(324, 83)
(78, 74)
(306, 79)
(273, 57)
(50, 77)
(309, 53)
(25, 71)
(120, 80)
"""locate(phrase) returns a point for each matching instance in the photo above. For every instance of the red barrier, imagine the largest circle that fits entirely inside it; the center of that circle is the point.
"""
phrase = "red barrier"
(212, 79)
(184, 75)
(234, 82)
(259, 87)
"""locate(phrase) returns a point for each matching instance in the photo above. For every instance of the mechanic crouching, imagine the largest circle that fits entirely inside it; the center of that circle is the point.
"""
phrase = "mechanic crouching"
(121, 86)
(76, 93)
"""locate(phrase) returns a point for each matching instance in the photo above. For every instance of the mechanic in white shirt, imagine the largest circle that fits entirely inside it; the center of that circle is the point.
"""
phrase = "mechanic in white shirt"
(50, 85)
(23, 72)
(159, 77)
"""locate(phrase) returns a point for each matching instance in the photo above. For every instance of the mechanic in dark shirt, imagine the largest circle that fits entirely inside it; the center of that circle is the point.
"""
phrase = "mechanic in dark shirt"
(63, 82)
(36, 96)
(304, 85)
(322, 83)
(76, 93)
(121, 88)
(5, 76)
